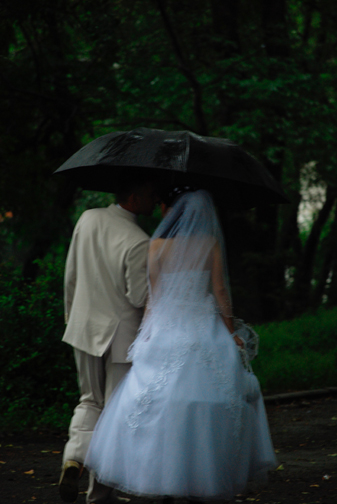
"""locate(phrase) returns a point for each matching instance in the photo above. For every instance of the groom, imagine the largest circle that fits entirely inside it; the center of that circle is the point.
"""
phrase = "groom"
(105, 290)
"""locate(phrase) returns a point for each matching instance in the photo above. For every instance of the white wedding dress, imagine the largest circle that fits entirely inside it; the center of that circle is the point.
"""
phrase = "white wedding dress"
(188, 420)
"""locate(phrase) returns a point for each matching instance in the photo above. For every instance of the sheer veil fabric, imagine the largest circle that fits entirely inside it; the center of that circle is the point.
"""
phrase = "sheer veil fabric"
(181, 251)
(183, 422)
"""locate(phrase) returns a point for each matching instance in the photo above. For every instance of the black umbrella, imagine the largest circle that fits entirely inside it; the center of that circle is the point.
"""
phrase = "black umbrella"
(235, 178)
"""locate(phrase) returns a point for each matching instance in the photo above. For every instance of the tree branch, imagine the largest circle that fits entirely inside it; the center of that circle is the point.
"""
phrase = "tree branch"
(29, 93)
(32, 49)
(173, 119)
(186, 71)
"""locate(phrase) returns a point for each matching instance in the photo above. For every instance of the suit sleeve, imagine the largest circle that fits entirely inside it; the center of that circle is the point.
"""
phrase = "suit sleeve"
(70, 275)
(136, 274)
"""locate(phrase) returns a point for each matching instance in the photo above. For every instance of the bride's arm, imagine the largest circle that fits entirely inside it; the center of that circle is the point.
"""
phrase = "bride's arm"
(221, 293)
(154, 265)
(153, 269)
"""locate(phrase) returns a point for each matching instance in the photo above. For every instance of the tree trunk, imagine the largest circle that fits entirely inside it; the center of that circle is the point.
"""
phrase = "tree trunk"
(63, 123)
(332, 289)
(186, 70)
(271, 275)
(330, 248)
(225, 24)
(302, 286)
(275, 28)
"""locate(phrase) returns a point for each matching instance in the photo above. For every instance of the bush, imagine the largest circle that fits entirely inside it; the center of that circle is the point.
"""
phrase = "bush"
(38, 380)
(38, 383)
(298, 354)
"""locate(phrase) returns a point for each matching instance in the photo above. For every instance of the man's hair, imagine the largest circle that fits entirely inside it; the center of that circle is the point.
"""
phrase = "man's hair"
(130, 183)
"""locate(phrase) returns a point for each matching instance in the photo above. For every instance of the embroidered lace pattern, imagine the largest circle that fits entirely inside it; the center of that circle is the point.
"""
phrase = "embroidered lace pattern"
(144, 398)
(193, 309)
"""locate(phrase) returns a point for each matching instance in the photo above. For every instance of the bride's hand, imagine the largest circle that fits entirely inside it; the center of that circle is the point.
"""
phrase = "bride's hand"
(238, 341)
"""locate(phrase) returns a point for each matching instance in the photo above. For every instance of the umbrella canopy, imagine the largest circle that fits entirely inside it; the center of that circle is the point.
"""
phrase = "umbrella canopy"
(235, 178)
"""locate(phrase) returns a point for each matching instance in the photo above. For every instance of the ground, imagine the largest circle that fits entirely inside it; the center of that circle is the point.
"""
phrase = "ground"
(304, 433)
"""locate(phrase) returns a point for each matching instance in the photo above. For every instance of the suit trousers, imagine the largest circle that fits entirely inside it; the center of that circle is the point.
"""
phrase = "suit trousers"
(97, 377)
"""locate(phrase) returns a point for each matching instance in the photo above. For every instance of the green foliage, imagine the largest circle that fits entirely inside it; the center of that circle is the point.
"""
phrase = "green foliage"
(298, 354)
(37, 370)
(85, 200)
(72, 71)
(149, 224)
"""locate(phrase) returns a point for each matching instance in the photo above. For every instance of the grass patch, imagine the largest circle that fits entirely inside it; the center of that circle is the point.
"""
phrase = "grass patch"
(298, 354)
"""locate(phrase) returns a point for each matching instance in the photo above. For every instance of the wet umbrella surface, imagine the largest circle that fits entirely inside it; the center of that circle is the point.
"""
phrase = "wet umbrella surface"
(235, 178)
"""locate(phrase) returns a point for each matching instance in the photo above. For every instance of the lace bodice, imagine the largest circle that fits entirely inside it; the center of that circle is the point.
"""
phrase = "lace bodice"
(186, 286)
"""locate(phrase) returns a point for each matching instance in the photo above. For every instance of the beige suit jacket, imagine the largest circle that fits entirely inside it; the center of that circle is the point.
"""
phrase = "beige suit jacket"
(105, 282)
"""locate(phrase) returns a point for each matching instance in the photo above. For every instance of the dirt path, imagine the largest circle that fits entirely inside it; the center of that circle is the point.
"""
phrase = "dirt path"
(304, 434)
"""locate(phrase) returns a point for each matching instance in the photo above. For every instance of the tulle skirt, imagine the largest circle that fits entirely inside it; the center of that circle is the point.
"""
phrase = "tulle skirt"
(186, 421)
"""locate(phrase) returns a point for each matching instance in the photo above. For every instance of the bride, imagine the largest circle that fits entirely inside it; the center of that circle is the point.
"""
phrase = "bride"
(188, 420)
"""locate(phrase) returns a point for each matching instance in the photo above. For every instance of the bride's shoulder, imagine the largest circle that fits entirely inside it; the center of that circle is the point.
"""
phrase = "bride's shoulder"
(156, 244)
(160, 243)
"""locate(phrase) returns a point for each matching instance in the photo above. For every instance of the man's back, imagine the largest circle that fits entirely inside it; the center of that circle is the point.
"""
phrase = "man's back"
(105, 281)
(105, 288)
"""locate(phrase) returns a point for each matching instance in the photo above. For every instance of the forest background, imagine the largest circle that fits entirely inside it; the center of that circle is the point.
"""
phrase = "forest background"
(258, 72)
